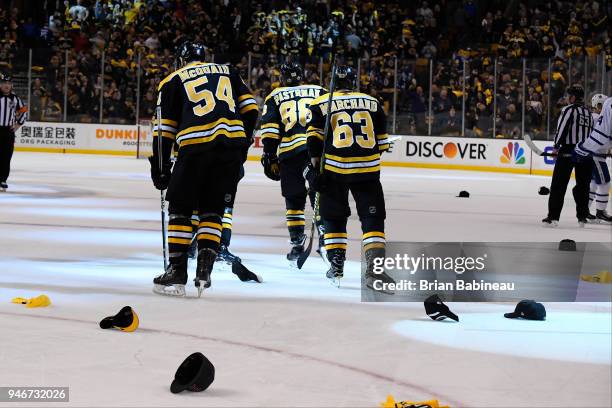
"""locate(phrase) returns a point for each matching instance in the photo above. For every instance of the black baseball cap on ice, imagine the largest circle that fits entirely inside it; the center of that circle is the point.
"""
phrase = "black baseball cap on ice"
(528, 309)
(195, 374)
(437, 310)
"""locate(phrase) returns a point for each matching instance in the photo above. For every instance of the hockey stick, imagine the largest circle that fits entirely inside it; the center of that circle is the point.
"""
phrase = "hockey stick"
(332, 84)
(542, 153)
(161, 192)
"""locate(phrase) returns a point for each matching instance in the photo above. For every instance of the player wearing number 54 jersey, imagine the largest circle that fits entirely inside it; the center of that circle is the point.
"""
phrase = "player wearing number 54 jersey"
(283, 134)
(208, 111)
(357, 136)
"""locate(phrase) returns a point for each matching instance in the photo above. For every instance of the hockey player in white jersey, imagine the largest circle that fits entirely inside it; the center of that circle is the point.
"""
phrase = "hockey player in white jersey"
(597, 145)
(600, 184)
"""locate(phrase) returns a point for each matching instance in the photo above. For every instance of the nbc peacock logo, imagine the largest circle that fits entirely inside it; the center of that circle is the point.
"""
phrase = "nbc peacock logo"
(513, 153)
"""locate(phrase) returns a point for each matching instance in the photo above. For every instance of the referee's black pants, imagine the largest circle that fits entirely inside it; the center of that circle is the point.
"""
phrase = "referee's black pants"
(7, 146)
(561, 177)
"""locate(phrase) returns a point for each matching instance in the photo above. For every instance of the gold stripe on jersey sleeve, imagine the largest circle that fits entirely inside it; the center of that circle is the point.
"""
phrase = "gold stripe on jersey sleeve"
(269, 124)
(353, 159)
(165, 134)
(270, 136)
(211, 125)
(249, 107)
(245, 96)
(168, 122)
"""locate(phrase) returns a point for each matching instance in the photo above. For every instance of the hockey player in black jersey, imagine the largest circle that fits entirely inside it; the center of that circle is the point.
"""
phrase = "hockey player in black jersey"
(357, 136)
(208, 110)
(283, 134)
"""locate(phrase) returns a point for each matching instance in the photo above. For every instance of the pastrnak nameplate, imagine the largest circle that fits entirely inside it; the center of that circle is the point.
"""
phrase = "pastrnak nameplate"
(486, 272)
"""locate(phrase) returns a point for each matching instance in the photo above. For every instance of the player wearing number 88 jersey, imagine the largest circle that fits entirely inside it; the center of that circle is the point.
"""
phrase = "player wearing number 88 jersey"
(209, 112)
(357, 136)
(283, 134)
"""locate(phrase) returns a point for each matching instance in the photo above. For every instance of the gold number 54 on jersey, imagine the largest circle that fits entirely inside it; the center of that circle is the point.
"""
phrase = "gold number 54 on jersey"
(223, 93)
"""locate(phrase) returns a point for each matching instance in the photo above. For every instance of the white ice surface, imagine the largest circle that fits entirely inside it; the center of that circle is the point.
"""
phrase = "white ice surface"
(85, 231)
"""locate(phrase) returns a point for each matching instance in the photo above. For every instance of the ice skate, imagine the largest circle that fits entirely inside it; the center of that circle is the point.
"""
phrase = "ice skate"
(297, 248)
(172, 281)
(371, 277)
(582, 222)
(550, 223)
(3, 187)
(206, 260)
(226, 256)
(602, 217)
(335, 272)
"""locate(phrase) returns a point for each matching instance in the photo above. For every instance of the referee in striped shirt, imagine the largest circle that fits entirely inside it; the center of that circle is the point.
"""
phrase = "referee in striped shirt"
(575, 125)
(12, 116)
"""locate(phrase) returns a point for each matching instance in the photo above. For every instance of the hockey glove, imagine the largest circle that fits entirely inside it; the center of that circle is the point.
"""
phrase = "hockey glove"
(271, 167)
(315, 179)
(580, 156)
(161, 179)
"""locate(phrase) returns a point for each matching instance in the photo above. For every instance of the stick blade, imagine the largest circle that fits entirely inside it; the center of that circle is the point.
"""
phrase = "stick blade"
(304, 256)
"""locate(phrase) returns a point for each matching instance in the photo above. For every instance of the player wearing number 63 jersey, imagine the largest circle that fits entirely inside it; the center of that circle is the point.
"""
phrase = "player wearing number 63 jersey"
(208, 111)
(283, 134)
(357, 136)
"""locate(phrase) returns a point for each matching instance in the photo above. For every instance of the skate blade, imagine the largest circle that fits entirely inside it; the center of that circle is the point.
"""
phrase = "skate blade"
(201, 286)
(174, 291)
(546, 225)
(335, 281)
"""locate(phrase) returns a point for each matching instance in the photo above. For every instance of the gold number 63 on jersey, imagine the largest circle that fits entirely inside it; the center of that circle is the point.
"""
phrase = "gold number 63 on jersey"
(344, 136)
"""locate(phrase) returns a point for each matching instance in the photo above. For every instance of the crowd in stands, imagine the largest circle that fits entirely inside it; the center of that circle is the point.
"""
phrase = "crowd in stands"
(468, 41)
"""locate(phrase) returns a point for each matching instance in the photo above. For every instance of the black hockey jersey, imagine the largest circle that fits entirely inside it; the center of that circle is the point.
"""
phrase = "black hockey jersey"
(357, 135)
(286, 113)
(202, 105)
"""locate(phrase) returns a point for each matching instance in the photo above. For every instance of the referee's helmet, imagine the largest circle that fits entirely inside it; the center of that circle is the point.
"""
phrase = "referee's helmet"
(577, 91)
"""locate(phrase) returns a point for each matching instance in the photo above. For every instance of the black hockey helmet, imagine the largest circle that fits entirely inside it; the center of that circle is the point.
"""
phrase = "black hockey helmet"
(576, 91)
(4, 77)
(346, 77)
(190, 51)
(291, 74)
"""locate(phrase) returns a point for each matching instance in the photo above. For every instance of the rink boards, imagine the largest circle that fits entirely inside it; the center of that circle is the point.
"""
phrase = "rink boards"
(453, 153)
